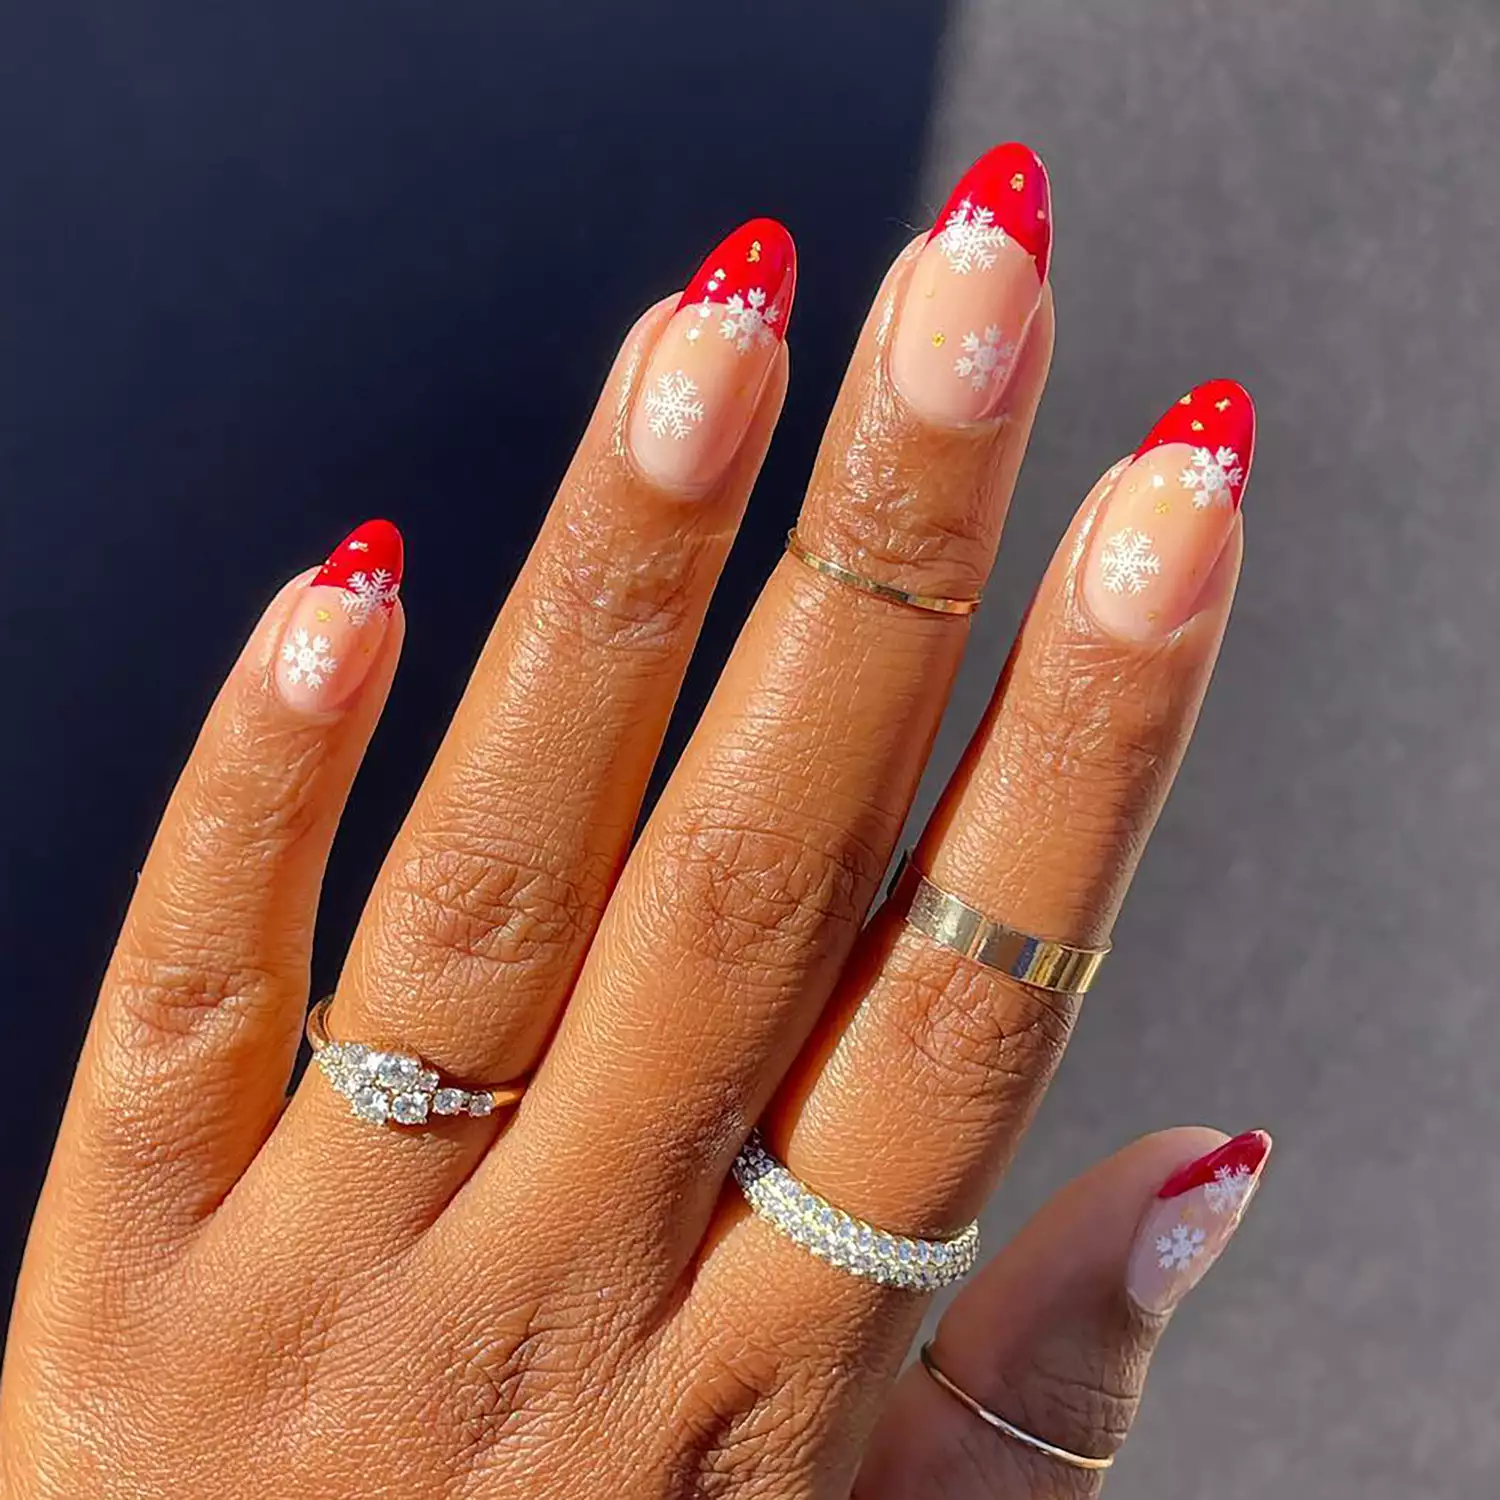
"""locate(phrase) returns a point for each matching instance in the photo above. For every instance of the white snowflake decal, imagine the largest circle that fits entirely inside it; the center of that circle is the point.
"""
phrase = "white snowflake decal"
(367, 592)
(744, 321)
(971, 237)
(673, 407)
(1212, 476)
(1230, 1190)
(1128, 561)
(307, 659)
(987, 359)
(1179, 1248)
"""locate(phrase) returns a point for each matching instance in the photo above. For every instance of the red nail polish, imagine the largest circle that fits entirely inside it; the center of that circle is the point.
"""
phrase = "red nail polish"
(1235, 1163)
(1217, 419)
(1005, 193)
(366, 565)
(332, 636)
(752, 278)
(703, 382)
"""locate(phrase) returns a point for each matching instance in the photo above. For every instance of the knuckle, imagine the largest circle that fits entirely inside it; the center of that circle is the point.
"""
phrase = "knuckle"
(756, 898)
(615, 592)
(975, 1036)
(471, 912)
(916, 511)
(749, 1420)
(165, 989)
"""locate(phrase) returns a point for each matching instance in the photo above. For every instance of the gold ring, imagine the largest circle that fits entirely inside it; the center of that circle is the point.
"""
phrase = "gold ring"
(995, 1420)
(934, 603)
(940, 915)
(395, 1088)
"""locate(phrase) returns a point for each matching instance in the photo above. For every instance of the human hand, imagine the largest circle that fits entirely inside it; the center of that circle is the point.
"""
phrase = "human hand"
(228, 1293)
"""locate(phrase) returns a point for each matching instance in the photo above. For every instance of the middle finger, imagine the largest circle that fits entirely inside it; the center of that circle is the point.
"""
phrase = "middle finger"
(750, 882)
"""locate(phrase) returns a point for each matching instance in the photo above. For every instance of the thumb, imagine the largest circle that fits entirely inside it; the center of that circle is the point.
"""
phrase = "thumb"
(1055, 1335)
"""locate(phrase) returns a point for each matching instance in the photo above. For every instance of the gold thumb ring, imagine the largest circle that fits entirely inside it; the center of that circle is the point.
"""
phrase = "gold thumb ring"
(940, 915)
(1009, 1429)
(934, 603)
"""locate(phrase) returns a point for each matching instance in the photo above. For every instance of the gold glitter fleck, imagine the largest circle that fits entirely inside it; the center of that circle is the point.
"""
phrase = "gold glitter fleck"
(1152, 616)
(1222, 405)
(324, 615)
(1163, 507)
(1187, 400)
(1197, 425)
(754, 254)
(939, 339)
(1018, 181)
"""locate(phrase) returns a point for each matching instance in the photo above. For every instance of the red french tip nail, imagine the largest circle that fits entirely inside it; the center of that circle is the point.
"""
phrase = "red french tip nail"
(1244, 1154)
(752, 273)
(366, 564)
(1217, 419)
(1006, 190)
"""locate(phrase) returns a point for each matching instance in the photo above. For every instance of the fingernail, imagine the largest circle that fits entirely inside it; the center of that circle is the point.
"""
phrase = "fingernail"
(704, 378)
(336, 627)
(1169, 513)
(1191, 1220)
(975, 288)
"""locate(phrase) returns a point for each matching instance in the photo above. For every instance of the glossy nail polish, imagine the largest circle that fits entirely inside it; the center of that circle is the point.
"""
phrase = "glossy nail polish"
(1191, 1219)
(1169, 512)
(337, 625)
(975, 288)
(704, 378)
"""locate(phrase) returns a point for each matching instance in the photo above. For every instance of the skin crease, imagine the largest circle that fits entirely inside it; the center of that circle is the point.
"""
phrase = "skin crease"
(222, 1298)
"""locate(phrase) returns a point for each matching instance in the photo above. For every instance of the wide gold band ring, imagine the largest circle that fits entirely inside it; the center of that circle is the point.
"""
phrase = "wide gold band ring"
(1009, 1429)
(941, 916)
(384, 1087)
(935, 604)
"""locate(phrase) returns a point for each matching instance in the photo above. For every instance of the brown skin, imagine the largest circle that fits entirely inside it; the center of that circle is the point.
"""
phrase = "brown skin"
(224, 1297)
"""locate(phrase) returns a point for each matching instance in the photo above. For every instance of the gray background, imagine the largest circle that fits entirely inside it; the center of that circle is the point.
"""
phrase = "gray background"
(266, 270)
(1304, 196)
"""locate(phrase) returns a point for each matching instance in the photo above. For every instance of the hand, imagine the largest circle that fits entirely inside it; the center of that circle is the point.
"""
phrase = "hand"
(229, 1294)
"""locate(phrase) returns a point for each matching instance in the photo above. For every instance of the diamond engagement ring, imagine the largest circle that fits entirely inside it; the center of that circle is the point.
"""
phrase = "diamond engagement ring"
(395, 1088)
(841, 1239)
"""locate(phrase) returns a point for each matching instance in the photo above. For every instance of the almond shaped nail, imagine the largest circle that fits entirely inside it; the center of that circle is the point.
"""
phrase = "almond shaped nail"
(1191, 1220)
(1169, 513)
(704, 378)
(336, 627)
(975, 288)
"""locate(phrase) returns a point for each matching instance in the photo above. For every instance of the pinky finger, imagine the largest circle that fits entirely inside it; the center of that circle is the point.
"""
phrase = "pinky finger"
(198, 1021)
(1054, 1337)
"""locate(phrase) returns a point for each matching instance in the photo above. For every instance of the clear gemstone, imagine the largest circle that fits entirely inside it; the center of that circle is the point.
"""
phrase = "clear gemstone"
(370, 1104)
(427, 1080)
(481, 1104)
(397, 1072)
(449, 1102)
(409, 1109)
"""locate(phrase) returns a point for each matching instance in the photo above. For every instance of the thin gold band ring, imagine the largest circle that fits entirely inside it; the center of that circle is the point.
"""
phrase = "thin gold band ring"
(933, 603)
(1009, 1429)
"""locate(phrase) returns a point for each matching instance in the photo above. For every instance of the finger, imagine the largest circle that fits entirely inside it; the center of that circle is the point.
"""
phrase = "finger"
(198, 1020)
(493, 887)
(751, 879)
(1056, 1335)
(1041, 828)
